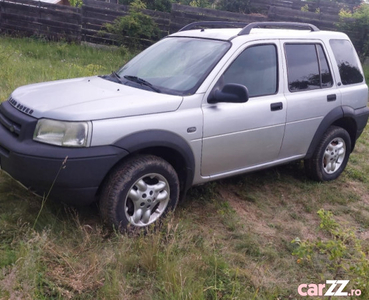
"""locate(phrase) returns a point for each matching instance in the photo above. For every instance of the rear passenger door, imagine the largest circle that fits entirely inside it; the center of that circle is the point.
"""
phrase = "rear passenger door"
(310, 92)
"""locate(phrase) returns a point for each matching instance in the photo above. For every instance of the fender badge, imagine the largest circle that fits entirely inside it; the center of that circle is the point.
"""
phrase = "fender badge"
(191, 129)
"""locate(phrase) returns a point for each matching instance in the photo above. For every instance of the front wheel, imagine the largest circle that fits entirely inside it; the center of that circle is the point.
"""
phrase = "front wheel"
(331, 155)
(139, 192)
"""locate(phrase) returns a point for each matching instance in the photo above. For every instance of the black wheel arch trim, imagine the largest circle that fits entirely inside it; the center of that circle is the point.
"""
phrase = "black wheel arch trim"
(139, 141)
(359, 115)
(359, 118)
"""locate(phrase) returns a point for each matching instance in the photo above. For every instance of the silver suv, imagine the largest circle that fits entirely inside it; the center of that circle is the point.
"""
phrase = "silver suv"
(199, 105)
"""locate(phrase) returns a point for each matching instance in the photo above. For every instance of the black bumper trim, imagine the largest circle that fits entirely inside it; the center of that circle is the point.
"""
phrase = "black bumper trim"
(76, 183)
(361, 118)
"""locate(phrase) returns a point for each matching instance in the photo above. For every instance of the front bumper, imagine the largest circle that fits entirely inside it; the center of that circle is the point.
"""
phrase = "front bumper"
(37, 166)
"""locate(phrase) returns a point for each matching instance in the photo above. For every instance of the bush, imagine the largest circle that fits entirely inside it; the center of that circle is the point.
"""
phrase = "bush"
(134, 27)
(305, 8)
(76, 3)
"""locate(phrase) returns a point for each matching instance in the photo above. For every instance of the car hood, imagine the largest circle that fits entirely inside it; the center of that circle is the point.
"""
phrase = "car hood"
(89, 98)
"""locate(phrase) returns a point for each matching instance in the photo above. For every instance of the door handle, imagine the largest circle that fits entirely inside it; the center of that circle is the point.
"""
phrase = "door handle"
(332, 97)
(276, 106)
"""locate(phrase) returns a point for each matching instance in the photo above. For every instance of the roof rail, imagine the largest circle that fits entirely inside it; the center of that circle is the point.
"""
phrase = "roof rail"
(286, 25)
(213, 23)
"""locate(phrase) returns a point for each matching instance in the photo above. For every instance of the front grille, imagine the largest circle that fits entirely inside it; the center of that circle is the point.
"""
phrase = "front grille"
(10, 125)
(19, 124)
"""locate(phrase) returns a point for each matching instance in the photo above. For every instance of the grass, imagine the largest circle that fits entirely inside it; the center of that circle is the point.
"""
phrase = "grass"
(25, 61)
(366, 71)
(229, 239)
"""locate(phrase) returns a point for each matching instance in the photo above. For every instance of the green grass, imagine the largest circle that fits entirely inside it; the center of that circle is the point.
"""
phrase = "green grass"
(25, 61)
(229, 240)
(366, 71)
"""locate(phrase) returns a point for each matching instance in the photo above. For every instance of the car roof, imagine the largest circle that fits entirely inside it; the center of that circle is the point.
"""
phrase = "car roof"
(210, 33)
(252, 30)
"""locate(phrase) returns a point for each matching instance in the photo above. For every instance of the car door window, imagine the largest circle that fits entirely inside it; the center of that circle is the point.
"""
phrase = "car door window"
(307, 67)
(256, 68)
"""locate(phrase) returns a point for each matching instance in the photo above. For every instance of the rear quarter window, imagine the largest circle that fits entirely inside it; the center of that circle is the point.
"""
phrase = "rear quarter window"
(347, 61)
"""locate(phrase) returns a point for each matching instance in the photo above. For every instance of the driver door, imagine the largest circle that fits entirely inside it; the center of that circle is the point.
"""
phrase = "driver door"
(238, 136)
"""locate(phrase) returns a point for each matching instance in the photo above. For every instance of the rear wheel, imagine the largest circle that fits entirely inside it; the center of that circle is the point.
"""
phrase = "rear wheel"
(331, 155)
(139, 192)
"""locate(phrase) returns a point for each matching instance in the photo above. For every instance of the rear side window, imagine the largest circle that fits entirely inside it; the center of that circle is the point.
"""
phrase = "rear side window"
(347, 61)
(307, 67)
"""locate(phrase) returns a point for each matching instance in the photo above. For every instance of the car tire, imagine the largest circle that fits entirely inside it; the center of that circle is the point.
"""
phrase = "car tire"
(331, 155)
(139, 192)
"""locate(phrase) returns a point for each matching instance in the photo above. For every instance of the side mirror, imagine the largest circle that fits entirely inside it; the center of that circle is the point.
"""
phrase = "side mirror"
(230, 93)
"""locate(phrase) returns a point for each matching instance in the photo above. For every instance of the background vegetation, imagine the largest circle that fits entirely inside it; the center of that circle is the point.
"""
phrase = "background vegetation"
(230, 239)
(166, 5)
(134, 27)
(356, 24)
(241, 6)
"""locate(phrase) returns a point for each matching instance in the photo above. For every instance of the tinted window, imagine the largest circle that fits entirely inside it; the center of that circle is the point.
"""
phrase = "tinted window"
(307, 67)
(347, 61)
(255, 68)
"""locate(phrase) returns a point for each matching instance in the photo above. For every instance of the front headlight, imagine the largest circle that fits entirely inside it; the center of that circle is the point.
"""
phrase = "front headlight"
(67, 134)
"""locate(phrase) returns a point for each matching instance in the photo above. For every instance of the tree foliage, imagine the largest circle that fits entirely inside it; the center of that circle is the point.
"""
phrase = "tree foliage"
(356, 24)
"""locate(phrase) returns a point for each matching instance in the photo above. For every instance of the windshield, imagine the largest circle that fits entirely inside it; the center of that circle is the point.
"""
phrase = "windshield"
(175, 65)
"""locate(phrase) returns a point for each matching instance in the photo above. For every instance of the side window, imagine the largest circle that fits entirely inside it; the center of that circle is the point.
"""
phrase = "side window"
(307, 67)
(347, 61)
(256, 68)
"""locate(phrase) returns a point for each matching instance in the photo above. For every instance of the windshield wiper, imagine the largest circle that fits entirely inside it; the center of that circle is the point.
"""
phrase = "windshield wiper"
(116, 76)
(142, 82)
(112, 77)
